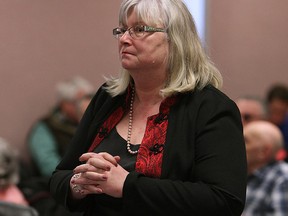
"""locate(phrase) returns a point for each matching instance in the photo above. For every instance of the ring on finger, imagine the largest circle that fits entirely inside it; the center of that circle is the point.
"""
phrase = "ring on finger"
(77, 175)
(76, 188)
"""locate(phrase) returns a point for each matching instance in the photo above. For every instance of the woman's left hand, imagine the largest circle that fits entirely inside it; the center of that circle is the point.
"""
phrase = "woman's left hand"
(100, 174)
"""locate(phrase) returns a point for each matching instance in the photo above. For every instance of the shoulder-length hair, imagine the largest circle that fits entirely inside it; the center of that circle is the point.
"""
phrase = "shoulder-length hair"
(189, 67)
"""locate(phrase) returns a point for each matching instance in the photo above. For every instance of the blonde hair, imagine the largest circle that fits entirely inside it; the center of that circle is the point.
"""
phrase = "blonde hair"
(188, 65)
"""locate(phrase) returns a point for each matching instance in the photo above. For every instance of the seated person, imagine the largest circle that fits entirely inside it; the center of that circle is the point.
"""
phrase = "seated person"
(251, 108)
(277, 104)
(9, 176)
(48, 140)
(50, 136)
(267, 186)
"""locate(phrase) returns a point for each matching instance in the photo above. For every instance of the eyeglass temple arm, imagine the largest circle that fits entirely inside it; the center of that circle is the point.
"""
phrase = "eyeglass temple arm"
(152, 29)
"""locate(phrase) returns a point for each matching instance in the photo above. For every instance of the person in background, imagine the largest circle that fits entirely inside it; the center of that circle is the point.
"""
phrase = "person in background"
(251, 109)
(9, 175)
(277, 104)
(254, 108)
(50, 136)
(267, 187)
(48, 140)
(161, 138)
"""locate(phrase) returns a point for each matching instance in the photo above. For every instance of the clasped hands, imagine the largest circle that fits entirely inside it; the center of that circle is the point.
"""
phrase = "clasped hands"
(99, 173)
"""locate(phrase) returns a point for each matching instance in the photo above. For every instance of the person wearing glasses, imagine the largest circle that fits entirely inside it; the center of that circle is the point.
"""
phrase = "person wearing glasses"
(161, 138)
(251, 108)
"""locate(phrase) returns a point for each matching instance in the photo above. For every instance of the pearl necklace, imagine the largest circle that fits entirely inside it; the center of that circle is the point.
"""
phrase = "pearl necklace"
(130, 123)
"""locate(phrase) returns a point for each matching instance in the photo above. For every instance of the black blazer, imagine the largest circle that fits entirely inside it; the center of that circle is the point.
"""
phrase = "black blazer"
(203, 167)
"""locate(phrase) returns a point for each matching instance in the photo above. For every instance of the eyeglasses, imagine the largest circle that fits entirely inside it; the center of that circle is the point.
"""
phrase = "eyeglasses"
(247, 117)
(135, 31)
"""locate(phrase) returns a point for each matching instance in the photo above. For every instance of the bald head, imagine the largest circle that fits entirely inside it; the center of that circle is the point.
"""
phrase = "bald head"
(263, 141)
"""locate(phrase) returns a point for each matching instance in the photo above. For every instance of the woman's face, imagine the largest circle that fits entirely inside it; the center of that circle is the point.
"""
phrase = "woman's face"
(149, 51)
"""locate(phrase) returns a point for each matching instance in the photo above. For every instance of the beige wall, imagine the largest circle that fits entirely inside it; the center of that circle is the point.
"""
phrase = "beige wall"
(42, 42)
(248, 41)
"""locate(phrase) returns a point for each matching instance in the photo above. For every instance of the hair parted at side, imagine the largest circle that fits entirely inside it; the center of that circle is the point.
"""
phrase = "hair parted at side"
(189, 66)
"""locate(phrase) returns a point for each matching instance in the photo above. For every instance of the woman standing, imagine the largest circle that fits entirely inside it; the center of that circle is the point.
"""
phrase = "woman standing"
(160, 139)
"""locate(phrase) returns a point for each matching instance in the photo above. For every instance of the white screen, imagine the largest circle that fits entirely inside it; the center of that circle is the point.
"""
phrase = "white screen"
(197, 9)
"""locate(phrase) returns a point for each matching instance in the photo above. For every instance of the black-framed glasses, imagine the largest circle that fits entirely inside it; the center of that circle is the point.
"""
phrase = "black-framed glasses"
(135, 31)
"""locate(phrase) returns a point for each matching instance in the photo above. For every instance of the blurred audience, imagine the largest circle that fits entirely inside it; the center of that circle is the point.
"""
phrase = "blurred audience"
(49, 137)
(9, 175)
(251, 108)
(48, 140)
(277, 105)
(267, 186)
